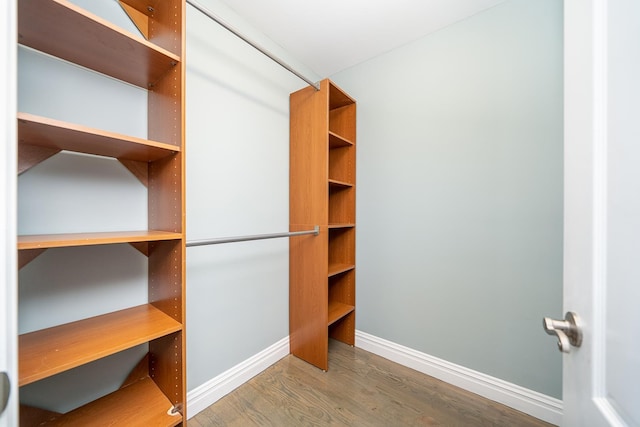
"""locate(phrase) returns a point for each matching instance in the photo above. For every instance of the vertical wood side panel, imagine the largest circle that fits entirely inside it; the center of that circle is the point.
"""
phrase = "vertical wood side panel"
(308, 195)
(165, 368)
(308, 296)
(167, 204)
(165, 107)
(308, 170)
(166, 25)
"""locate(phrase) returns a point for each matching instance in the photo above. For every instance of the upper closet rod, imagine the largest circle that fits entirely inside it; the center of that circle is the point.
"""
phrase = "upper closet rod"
(315, 232)
(283, 64)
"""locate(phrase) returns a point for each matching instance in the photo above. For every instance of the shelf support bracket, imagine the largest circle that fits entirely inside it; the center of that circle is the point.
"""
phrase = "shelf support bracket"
(25, 256)
(31, 155)
(139, 19)
(142, 247)
(139, 169)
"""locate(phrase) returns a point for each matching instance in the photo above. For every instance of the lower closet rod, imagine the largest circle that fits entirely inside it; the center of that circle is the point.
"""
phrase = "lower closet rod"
(252, 43)
(315, 232)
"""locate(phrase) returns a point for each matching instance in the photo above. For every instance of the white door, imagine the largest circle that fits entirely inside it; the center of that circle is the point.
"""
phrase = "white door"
(602, 211)
(8, 289)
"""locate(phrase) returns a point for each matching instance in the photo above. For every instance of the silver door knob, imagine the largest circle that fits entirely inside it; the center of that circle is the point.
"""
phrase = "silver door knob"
(568, 331)
(5, 388)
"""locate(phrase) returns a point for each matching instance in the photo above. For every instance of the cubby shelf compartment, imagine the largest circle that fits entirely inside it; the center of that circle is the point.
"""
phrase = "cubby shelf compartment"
(342, 164)
(45, 241)
(338, 98)
(336, 141)
(339, 268)
(53, 350)
(337, 311)
(64, 30)
(55, 134)
(139, 404)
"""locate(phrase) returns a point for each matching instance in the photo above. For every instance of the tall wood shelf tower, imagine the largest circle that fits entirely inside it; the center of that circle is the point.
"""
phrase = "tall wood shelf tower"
(322, 192)
(155, 392)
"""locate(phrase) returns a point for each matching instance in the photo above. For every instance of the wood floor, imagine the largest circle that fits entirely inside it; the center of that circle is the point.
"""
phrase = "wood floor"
(360, 389)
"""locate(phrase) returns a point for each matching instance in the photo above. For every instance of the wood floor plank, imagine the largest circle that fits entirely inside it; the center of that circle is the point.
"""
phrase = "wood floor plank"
(318, 392)
(359, 389)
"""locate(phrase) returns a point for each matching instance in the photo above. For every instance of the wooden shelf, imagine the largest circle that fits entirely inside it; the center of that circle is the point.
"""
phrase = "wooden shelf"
(339, 184)
(64, 30)
(337, 226)
(336, 141)
(139, 404)
(50, 351)
(44, 241)
(339, 268)
(337, 311)
(55, 134)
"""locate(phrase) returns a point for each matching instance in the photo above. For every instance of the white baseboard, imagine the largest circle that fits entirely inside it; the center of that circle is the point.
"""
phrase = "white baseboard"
(524, 400)
(210, 392)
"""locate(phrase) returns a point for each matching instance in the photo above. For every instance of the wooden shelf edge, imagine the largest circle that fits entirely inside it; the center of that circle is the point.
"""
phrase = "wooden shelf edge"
(50, 351)
(337, 226)
(335, 269)
(139, 404)
(44, 241)
(337, 311)
(337, 141)
(49, 133)
(67, 31)
(341, 184)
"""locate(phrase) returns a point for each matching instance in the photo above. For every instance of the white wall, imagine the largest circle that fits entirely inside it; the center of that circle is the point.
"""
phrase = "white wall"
(459, 247)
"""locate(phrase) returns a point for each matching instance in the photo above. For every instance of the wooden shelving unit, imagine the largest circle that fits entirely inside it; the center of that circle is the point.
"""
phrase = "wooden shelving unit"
(155, 392)
(322, 192)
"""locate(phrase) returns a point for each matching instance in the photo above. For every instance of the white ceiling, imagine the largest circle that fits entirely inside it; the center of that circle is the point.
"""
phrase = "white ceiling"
(331, 35)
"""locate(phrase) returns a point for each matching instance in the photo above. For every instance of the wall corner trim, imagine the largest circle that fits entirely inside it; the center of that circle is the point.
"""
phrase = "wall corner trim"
(216, 388)
(530, 402)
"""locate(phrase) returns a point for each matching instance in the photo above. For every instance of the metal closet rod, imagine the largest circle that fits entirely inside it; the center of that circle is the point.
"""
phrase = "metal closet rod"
(315, 232)
(274, 58)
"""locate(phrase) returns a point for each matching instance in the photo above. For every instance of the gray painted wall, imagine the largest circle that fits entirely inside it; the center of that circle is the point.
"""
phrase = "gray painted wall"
(237, 183)
(459, 244)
